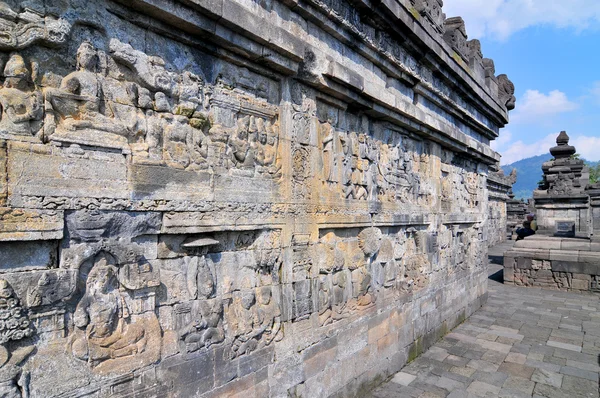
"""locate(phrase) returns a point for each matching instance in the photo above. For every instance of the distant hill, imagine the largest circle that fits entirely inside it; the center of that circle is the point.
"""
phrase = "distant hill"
(529, 172)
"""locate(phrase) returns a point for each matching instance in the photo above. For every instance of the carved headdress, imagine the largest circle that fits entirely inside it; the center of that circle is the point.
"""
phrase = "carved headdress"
(15, 67)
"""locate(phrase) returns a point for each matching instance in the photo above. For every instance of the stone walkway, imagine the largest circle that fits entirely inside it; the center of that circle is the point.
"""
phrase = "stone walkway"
(524, 342)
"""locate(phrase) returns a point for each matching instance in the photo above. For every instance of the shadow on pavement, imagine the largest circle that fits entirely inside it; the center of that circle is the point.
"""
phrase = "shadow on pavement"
(496, 260)
(498, 276)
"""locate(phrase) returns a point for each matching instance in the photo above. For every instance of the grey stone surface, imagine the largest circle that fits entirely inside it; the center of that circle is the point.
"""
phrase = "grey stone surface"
(530, 369)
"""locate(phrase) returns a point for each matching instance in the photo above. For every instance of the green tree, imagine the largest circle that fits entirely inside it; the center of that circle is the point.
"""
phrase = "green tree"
(595, 174)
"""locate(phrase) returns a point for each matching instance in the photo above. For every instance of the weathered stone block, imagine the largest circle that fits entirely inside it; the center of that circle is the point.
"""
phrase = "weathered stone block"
(523, 263)
(30, 224)
(29, 255)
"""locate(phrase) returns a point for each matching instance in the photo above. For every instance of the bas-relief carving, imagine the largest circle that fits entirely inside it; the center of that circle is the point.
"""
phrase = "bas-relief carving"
(353, 268)
(20, 101)
(109, 335)
(362, 167)
(221, 289)
(432, 9)
(456, 36)
(14, 327)
(254, 321)
(24, 28)
(128, 100)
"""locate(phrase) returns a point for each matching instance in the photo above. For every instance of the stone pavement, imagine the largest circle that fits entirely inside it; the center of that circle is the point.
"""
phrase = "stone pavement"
(525, 342)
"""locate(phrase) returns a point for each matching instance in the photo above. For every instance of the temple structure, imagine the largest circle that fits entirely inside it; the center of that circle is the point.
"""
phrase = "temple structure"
(204, 198)
(565, 251)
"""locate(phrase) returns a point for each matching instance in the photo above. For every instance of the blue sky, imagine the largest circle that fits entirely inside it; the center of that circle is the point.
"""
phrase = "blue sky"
(550, 49)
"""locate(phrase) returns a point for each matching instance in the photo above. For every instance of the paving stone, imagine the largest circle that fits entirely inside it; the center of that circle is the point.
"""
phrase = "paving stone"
(460, 394)
(480, 389)
(449, 384)
(494, 357)
(436, 353)
(520, 384)
(591, 366)
(508, 393)
(580, 387)
(403, 378)
(584, 374)
(463, 371)
(547, 377)
(494, 378)
(543, 365)
(566, 346)
(516, 369)
(456, 360)
(482, 365)
(516, 358)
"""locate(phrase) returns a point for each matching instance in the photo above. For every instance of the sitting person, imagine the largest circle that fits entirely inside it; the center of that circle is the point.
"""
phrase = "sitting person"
(532, 221)
(525, 230)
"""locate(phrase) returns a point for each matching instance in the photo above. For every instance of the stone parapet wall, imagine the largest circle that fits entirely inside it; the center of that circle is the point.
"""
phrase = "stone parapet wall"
(211, 198)
(553, 262)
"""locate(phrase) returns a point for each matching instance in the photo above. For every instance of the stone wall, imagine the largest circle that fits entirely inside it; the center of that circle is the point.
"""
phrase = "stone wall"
(206, 198)
(499, 200)
(554, 263)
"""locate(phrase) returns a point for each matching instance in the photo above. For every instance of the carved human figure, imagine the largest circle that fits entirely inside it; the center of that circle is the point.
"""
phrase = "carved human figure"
(240, 142)
(329, 153)
(200, 280)
(20, 105)
(77, 104)
(104, 332)
(266, 151)
(241, 323)
(176, 134)
(339, 295)
(325, 312)
(207, 330)
(197, 143)
(268, 317)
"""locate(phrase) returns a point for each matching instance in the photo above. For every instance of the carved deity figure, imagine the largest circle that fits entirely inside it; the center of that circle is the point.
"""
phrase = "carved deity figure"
(325, 313)
(77, 105)
(20, 105)
(104, 331)
(207, 330)
(332, 150)
(266, 150)
(241, 322)
(255, 321)
(268, 317)
(200, 281)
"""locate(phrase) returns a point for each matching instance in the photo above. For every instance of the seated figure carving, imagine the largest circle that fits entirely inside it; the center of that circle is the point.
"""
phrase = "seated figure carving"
(75, 111)
(104, 331)
(207, 330)
(20, 105)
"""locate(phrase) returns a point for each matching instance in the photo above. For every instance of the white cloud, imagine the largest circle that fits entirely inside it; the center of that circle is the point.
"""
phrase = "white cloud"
(595, 91)
(501, 142)
(501, 18)
(588, 147)
(534, 105)
(519, 150)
